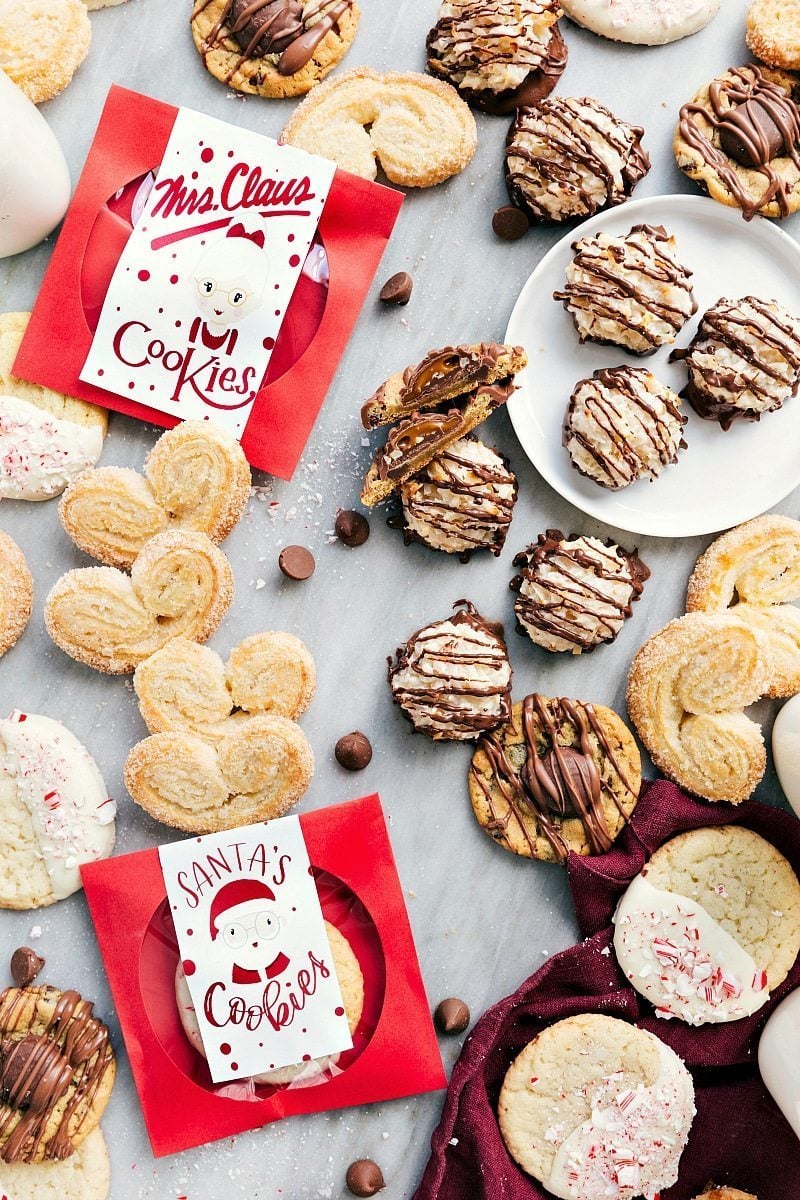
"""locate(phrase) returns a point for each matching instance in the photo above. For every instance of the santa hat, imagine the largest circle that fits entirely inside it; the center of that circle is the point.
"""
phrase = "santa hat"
(240, 891)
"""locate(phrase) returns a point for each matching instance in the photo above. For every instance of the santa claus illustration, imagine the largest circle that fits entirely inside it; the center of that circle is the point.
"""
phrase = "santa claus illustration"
(243, 918)
(230, 279)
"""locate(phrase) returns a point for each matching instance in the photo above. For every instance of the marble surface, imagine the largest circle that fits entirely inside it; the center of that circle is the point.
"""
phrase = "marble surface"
(483, 920)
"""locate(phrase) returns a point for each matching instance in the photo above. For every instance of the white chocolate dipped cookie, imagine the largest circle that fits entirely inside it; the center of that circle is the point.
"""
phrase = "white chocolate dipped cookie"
(652, 24)
(85, 1175)
(595, 1107)
(710, 926)
(55, 812)
(351, 984)
(46, 439)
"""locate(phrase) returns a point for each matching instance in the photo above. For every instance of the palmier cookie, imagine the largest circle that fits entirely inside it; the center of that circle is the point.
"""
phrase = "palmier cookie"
(739, 139)
(754, 572)
(85, 1175)
(462, 501)
(560, 777)
(500, 54)
(418, 130)
(256, 772)
(743, 361)
(652, 24)
(575, 593)
(57, 1070)
(773, 33)
(16, 592)
(452, 679)
(724, 1193)
(570, 157)
(445, 377)
(596, 1107)
(43, 43)
(687, 688)
(55, 812)
(181, 585)
(273, 48)
(196, 477)
(623, 425)
(710, 926)
(186, 688)
(629, 291)
(351, 985)
(46, 439)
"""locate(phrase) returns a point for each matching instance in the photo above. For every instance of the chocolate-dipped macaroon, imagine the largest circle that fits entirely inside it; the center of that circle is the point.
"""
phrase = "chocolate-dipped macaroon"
(452, 679)
(628, 291)
(560, 776)
(500, 54)
(743, 361)
(575, 593)
(570, 157)
(462, 501)
(623, 425)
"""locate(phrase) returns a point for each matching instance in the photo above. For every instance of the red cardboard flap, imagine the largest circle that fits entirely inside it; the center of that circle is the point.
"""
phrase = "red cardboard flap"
(356, 223)
(395, 1049)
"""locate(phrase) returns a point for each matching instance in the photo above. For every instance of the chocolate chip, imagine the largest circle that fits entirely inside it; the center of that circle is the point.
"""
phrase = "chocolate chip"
(398, 289)
(351, 528)
(451, 1016)
(510, 223)
(296, 562)
(353, 751)
(364, 1178)
(25, 966)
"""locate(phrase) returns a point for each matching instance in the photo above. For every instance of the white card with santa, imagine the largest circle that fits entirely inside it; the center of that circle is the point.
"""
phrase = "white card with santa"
(254, 950)
(201, 289)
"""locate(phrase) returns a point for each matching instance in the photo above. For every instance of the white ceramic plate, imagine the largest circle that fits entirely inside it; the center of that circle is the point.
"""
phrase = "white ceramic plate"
(722, 478)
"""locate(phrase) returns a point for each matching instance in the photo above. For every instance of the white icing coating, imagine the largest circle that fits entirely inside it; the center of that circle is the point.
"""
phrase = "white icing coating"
(59, 783)
(651, 24)
(675, 953)
(632, 1143)
(494, 47)
(41, 454)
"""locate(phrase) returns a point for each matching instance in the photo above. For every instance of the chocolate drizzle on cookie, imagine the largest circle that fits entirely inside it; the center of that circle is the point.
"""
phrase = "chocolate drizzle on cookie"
(500, 54)
(287, 30)
(560, 778)
(755, 122)
(575, 593)
(452, 679)
(632, 284)
(59, 1069)
(570, 157)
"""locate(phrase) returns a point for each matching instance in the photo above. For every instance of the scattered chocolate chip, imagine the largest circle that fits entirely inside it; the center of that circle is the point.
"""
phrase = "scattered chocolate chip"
(451, 1016)
(25, 966)
(510, 223)
(351, 528)
(364, 1178)
(398, 289)
(353, 751)
(296, 562)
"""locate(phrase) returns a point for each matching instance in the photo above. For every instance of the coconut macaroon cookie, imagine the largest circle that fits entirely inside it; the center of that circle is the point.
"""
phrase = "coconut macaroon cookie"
(306, 1074)
(629, 291)
(570, 157)
(710, 926)
(575, 593)
(561, 776)
(652, 24)
(463, 500)
(55, 812)
(595, 1107)
(452, 679)
(743, 361)
(500, 54)
(623, 425)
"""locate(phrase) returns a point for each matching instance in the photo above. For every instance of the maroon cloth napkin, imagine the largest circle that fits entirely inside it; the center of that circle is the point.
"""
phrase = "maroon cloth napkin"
(739, 1136)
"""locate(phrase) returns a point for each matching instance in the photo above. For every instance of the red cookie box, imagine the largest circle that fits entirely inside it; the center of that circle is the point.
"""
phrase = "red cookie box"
(129, 145)
(395, 1052)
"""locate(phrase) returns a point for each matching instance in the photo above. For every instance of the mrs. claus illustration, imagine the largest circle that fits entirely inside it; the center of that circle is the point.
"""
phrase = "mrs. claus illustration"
(231, 276)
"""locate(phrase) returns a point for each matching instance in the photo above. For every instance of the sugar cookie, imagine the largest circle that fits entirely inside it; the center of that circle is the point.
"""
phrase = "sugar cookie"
(773, 32)
(42, 44)
(85, 1175)
(16, 593)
